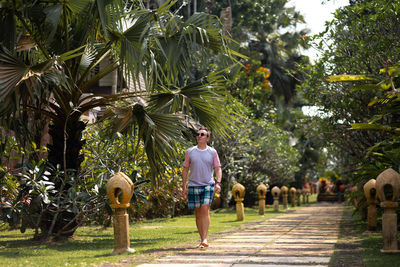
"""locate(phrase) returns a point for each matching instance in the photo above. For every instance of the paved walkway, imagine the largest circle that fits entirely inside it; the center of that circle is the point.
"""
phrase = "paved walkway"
(300, 238)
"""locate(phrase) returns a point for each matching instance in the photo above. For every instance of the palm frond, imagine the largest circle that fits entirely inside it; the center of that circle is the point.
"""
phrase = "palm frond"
(53, 14)
(140, 25)
(77, 6)
(108, 13)
(166, 6)
(202, 100)
(159, 132)
(12, 71)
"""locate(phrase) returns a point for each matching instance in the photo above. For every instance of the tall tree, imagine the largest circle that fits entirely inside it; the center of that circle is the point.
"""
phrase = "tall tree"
(47, 62)
(266, 31)
(362, 38)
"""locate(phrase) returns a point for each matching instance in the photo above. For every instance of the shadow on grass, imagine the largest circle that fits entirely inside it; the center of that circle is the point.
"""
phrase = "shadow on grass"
(231, 221)
(21, 243)
(20, 248)
(186, 233)
(159, 250)
(16, 254)
(8, 236)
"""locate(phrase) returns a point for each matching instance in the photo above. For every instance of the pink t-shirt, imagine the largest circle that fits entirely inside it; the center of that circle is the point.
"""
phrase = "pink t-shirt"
(201, 164)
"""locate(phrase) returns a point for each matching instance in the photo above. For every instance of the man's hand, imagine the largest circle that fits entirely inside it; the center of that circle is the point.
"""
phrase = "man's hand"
(184, 192)
(217, 188)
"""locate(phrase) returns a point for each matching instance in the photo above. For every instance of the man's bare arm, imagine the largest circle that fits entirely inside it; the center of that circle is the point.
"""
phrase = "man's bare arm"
(184, 180)
(218, 173)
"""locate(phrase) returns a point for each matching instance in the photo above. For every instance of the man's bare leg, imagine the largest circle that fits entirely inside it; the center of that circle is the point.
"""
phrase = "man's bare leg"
(203, 222)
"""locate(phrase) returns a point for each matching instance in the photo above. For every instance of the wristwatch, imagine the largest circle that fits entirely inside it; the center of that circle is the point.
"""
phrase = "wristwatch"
(219, 183)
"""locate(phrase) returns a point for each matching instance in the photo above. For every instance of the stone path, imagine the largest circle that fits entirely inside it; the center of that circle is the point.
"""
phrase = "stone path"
(300, 238)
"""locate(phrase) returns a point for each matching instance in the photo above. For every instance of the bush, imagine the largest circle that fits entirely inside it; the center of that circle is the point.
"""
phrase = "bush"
(105, 155)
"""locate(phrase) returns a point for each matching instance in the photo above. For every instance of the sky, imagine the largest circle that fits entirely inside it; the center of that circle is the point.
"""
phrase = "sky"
(316, 14)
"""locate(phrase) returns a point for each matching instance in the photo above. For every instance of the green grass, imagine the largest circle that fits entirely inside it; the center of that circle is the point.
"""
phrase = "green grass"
(370, 244)
(372, 255)
(93, 245)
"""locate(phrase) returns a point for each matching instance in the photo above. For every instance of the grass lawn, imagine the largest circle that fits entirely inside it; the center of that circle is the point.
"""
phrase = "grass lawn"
(93, 245)
(358, 247)
(372, 244)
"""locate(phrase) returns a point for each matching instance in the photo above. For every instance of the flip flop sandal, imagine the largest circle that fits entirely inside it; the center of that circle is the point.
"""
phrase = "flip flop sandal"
(203, 245)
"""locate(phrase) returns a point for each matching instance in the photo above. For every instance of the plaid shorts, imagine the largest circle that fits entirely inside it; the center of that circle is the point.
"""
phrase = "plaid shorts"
(199, 195)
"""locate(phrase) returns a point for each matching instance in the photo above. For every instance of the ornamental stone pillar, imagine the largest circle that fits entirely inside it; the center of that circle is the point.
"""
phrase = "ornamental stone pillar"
(261, 192)
(387, 187)
(370, 195)
(238, 191)
(307, 195)
(275, 193)
(120, 190)
(292, 193)
(298, 194)
(284, 192)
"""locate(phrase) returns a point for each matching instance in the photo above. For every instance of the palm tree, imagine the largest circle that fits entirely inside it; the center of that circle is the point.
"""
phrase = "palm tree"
(48, 58)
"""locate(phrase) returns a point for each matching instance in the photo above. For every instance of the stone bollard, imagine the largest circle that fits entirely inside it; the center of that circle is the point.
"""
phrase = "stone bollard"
(298, 194)
(119, 191)
(308, 195)
(304, 193)
(370, 195)
(261, 192)
(284, 192)
(387, 188)
(275, 193)
(292, 192)
(238, 193)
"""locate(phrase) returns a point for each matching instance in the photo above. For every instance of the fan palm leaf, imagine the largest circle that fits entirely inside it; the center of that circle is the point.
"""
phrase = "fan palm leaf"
(159, 132)
(158, 46)
(202, 100)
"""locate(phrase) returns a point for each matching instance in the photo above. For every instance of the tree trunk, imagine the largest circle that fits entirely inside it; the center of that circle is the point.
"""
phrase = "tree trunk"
(73, 160)
(74, 144)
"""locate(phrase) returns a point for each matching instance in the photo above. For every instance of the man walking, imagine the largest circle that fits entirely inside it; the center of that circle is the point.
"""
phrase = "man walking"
(201, 160)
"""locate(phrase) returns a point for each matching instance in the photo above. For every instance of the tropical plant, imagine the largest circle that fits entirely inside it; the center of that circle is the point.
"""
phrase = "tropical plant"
(353, 44)
(383, 154)
(106, 154)
(251, 86)
(51, 50)
(267, 32)
(258, 151)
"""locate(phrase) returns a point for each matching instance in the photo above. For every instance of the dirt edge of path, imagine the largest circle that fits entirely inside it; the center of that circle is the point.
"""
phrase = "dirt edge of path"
(348, 249)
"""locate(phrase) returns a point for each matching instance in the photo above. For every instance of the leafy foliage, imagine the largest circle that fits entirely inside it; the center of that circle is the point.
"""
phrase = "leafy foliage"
(51, 59)
(41, 205)
(266, 30)
(101, 163)
(353, 50)
(258, 152)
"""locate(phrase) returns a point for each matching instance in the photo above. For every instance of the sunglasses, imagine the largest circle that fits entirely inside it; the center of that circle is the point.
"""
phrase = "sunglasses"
(201, 134)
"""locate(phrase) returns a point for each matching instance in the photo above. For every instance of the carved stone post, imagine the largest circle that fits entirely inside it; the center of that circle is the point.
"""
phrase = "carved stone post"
(292, 192)
(119, 191)
(238, 191)
(370, 195)
(261, 192)
(284, 192)
(298, 194)
(275, 193)
(387, 187)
